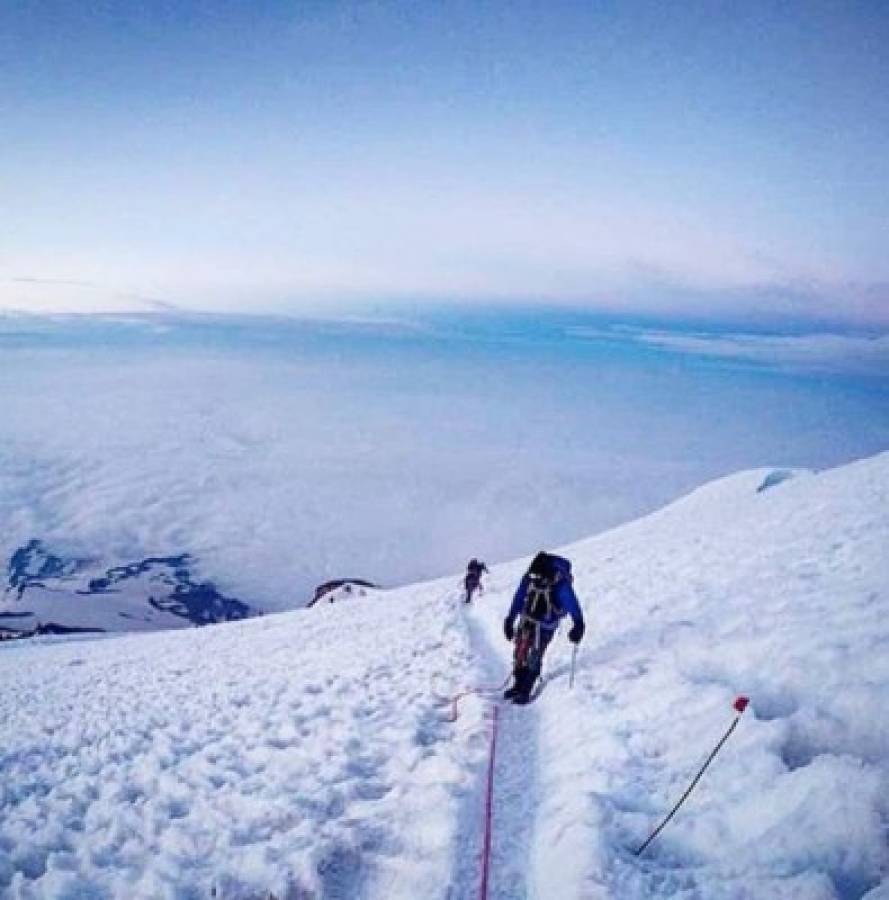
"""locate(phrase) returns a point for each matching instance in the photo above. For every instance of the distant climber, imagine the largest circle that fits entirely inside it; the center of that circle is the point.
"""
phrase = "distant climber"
(544, 595)
(473, 580)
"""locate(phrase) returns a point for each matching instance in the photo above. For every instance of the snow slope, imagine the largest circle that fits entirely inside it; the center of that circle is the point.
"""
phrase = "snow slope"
(308, 755)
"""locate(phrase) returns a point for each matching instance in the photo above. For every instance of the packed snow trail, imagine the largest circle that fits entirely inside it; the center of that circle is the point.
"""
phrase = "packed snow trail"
(520, 865)
(514, 785)
(515, 804)
(306, 755)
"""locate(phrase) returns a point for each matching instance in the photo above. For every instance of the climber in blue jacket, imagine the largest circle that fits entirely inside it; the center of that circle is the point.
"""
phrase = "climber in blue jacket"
(544, 596)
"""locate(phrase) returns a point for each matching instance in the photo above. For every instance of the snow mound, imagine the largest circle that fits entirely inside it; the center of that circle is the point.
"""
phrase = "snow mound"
(309, 754)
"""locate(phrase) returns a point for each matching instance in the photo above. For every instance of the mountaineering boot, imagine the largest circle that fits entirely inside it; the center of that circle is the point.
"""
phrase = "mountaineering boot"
(522, 688)
(509, 693)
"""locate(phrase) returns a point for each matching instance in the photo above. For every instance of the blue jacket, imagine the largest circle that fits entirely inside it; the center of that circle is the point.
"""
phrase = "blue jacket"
(564, 600)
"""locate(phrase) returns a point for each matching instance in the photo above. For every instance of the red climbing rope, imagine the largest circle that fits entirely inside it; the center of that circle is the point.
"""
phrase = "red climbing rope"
(489, 810)
(479, 689)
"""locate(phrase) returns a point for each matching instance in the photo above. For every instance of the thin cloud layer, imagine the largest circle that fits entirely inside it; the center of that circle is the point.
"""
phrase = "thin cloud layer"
(41, 296)
(844, 354)
(832, 352)
(330, 449)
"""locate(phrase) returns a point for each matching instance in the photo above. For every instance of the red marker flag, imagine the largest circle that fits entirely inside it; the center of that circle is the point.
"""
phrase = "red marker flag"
(740, 703)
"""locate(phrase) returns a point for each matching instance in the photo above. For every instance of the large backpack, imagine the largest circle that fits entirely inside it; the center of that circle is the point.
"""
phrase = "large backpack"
(539, 603)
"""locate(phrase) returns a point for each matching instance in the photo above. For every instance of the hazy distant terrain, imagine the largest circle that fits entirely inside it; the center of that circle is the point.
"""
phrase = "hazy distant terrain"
(280, 453)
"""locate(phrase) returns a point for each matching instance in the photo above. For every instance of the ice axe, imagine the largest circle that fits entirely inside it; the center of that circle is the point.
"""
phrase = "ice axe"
(573, 661)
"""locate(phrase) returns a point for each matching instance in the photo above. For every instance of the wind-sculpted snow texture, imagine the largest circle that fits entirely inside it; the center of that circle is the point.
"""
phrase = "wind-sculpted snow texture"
(300, 754)
(307, 754)
(45, 589)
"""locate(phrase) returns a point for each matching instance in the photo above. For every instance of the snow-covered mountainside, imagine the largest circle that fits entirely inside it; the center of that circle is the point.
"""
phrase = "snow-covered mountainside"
(49, 591)
(309, 754)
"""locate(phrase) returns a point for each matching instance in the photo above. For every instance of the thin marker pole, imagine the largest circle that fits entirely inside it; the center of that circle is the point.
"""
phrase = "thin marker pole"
(740, 705)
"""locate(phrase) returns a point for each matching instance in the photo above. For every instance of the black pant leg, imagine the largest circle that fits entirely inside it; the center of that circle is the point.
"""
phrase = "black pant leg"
(529, 655)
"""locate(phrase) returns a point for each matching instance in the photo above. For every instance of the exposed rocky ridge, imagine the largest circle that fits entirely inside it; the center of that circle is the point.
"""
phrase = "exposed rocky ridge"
(47, 592)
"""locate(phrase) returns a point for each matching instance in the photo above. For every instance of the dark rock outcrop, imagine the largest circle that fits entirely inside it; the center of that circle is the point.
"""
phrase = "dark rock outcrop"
(347, 584)
(165, 583)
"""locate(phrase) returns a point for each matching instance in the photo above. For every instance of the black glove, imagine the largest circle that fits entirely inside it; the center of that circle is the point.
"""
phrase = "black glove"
(508, 629)
(576, 633)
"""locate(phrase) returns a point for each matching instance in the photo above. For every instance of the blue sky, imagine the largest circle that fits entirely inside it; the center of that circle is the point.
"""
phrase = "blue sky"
(710, 160)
